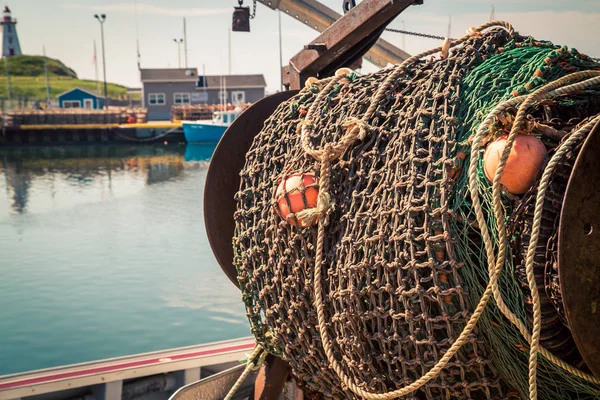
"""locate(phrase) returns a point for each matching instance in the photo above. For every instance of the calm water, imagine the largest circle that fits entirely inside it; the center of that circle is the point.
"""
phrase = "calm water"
(103, 253)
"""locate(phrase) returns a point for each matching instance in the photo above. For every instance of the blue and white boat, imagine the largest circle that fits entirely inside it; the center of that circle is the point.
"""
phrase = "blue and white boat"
(204, 131)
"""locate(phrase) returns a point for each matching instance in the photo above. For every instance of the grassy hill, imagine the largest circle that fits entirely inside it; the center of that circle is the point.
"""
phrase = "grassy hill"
(27, 79)
(34, 66)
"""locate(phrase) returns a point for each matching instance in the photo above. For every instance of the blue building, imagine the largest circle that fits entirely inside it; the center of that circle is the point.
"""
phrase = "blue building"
(80, 98)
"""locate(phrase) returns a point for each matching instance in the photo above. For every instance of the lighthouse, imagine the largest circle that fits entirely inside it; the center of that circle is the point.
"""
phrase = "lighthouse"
(10, 40)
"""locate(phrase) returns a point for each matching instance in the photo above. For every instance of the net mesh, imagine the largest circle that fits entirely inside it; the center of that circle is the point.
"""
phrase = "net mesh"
(403, 265)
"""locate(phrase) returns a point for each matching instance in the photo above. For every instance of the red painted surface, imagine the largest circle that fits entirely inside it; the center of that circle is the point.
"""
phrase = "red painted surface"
(120, 366)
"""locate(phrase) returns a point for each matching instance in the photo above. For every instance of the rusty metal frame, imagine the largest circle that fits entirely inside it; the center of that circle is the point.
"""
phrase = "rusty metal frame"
(320, 17)
(344, 42)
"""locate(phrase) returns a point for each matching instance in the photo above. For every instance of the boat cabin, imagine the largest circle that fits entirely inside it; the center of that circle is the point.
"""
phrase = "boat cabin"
(224, 117)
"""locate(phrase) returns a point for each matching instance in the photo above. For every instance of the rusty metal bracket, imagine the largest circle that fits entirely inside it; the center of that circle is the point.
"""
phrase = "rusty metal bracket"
(344, 42)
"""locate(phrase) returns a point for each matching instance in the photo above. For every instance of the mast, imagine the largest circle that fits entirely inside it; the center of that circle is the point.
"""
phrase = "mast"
(229, 32)
(493, 14)
(137, 36)
(46, 75)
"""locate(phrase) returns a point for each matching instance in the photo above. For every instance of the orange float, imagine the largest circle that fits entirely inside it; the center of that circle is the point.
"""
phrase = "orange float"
(524, 162)
(295, 193)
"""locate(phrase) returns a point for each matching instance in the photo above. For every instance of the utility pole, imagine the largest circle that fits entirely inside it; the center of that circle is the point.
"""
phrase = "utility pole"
(101, 18)
(178, 41)
(46, 75)
(185, 43)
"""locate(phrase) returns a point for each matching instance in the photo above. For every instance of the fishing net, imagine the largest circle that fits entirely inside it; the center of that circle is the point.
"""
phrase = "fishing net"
(387, 286)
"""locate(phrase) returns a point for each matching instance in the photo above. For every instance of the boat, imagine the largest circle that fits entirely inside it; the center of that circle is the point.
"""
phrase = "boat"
(204, 131)
(210, 369)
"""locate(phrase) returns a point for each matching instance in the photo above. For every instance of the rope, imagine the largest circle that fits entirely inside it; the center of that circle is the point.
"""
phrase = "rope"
(330, 153)
(165, 133)
(250, 366)
(546, 91)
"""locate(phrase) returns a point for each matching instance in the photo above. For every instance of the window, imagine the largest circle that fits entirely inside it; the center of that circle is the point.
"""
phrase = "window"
(238, 97)
(181, 98)
(71, 104)
(225, 118)
(9, 27)
(156, 99)
(88, 103)
(10, 39)
(199, 97)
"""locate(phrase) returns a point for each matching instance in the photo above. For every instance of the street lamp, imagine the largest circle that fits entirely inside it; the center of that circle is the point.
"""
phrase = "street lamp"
(101, 18)
(178, 41)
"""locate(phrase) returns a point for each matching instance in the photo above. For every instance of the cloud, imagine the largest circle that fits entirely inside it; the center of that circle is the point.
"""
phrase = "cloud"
(143, 8)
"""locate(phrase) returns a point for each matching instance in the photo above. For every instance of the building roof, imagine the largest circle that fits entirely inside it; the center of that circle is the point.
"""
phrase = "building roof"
(169, 74)
(236, 81)
(83, 90)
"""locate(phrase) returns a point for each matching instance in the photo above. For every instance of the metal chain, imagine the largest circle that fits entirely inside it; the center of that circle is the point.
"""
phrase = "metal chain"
(241, 3)
(424, 35)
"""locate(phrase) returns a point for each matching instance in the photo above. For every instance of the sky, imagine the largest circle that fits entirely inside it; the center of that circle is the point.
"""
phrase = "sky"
(68, 30)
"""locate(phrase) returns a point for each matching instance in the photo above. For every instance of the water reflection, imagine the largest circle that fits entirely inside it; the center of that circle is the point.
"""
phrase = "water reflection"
(106, 246)
(87, 166)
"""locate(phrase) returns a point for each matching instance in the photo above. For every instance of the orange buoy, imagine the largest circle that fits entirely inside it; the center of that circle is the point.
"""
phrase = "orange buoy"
(310, 81)
(524, 162)
(343, 71)
(295, 193)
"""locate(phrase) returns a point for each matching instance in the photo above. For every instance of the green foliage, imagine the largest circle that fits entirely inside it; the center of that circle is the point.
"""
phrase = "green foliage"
(34, 66)
(28, 81)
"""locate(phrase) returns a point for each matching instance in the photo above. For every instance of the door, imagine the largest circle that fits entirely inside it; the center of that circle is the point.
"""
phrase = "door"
(88, 103)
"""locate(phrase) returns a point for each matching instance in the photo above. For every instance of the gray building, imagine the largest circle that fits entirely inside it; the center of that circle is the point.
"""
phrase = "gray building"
(166, 87)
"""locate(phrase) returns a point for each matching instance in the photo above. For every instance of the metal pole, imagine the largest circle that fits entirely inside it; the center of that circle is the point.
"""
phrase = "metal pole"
(403, 36)
(101, 19)
(185, 43)
(47, 81)
(178, 41)
(280, 54)
(8, 80)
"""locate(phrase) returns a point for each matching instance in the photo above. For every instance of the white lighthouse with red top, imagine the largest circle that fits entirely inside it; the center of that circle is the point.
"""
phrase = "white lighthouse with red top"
(10, 40)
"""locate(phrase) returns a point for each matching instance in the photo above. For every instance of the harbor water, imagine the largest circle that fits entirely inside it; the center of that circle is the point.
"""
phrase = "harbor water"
(103, 253)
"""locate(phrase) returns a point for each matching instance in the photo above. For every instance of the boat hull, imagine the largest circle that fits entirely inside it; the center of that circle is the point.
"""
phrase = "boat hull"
(195, 132)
